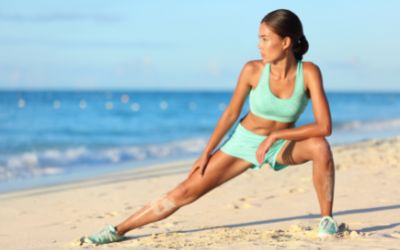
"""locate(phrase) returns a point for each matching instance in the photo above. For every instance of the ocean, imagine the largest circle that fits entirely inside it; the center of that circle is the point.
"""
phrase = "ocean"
(50, 137)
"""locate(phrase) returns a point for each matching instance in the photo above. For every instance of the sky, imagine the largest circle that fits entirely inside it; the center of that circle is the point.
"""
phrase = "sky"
(187, 45)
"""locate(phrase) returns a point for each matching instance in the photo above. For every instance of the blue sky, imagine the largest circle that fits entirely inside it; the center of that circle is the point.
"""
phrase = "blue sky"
(188, 45)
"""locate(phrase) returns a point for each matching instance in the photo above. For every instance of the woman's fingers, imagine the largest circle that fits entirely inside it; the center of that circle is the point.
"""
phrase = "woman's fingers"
(194, 167)
(203, 167)
(193, 170)
(202, 170)
(260, 155)
(200, 163)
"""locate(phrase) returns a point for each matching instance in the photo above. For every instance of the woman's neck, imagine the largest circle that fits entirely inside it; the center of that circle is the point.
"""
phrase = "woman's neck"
(282, 68)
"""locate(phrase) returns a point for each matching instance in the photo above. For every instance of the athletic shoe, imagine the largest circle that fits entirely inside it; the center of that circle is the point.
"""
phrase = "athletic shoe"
(327, 227)
(106, 235)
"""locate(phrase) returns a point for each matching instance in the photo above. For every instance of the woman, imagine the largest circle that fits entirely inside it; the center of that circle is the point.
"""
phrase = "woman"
(279, 87)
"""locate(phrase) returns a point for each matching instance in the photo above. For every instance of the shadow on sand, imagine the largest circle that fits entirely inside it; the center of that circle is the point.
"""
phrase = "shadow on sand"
(300, 217)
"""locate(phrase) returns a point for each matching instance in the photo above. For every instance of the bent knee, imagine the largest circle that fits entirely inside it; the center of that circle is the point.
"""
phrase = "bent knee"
(320, 148)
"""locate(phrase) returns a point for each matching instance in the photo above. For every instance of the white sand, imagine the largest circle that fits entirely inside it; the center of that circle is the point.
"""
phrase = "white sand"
(257, 210)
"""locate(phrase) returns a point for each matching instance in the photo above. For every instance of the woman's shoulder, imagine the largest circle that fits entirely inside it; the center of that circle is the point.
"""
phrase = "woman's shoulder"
(251, 71)
(310, 67)
(254, 65)
(253, 68)
(312, 74)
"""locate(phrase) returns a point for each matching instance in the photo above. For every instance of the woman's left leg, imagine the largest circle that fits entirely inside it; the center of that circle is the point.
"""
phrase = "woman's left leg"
(317, 150)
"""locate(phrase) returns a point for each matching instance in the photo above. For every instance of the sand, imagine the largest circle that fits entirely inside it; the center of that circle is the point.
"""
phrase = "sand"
(256, 210)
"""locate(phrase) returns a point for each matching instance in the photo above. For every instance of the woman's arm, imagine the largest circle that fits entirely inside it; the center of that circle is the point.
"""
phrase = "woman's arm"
(232, 112)
(323, 124)
(228, 117)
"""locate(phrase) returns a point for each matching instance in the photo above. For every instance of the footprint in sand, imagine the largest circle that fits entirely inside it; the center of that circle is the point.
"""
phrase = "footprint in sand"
(395, 234)
(242, 203)
(128, 206)
(74, 243)
(112, 214)
(269, 197)
(164, 225)
(168, 224)
(346, 232)
(102, 216)
(296, 190)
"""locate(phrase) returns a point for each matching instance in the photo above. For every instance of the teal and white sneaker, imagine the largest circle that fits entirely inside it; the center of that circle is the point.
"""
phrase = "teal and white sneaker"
(327, 227)
(106, 235)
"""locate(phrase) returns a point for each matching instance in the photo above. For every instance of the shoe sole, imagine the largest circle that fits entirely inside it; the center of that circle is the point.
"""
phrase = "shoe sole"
(325, 235)
(85, 240)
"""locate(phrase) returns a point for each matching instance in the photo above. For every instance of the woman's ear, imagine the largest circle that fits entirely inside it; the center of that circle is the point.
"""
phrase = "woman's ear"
(286, 42)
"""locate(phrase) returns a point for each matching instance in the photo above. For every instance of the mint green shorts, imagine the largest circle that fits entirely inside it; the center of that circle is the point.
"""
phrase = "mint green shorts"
(243, 144)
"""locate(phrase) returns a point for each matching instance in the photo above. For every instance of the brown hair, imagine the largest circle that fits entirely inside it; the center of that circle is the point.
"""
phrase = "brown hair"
(286, 23)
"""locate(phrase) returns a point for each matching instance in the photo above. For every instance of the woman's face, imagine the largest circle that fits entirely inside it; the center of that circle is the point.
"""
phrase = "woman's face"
(272, 47)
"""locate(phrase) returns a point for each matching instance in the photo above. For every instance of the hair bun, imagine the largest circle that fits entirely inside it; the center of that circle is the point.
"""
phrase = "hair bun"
(301, 39)
(300, 47)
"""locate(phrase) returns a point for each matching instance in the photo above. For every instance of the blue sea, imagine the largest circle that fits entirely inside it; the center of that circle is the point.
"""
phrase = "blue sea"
(49, 137)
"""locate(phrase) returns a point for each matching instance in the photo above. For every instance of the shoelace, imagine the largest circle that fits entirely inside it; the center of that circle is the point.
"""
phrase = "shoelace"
(324, 223)
(104, 234)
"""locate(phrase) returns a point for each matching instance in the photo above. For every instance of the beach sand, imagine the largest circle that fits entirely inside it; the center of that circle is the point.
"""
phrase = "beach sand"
(256, 210)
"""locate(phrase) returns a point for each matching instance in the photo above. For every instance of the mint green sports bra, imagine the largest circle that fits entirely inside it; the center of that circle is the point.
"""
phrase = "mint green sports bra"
(265, 104)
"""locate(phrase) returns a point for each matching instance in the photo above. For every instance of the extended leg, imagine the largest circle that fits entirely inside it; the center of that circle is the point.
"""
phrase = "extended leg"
(221, 168)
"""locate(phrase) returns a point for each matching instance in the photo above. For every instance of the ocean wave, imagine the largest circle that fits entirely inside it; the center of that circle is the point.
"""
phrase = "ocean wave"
(57, 161)
(367, 126)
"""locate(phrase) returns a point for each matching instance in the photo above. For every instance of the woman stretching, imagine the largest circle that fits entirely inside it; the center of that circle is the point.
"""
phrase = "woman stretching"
(279, 87)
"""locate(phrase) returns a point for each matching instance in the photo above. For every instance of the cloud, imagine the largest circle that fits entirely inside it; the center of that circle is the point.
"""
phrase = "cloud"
(58, 17)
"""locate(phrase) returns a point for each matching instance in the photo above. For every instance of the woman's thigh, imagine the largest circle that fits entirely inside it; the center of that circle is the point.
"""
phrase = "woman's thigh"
(298, 152)
(221, 167)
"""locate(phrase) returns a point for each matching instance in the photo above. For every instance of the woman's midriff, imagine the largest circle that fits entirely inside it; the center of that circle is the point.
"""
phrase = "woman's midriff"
(262, 126)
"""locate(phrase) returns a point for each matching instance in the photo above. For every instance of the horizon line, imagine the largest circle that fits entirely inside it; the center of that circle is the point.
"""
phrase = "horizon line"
(394, 91)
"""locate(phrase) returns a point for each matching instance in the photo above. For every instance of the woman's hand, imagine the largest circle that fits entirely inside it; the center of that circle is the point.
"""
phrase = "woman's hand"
(201, 163)
(264, 147)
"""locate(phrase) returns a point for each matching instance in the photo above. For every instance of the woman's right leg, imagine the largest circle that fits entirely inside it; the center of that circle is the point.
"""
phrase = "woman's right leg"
(220, 168)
